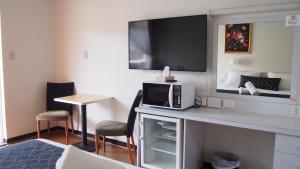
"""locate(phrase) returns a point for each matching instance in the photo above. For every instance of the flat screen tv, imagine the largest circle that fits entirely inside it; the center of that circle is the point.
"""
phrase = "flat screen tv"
(180, 43)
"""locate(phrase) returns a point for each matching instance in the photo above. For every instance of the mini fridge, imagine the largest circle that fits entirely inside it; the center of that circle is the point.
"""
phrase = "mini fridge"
(161, 142)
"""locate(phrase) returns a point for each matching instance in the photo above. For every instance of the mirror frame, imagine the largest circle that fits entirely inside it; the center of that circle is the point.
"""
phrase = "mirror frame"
(257, 17)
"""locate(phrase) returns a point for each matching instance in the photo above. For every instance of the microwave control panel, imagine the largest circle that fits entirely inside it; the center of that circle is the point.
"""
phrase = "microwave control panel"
(177, 96)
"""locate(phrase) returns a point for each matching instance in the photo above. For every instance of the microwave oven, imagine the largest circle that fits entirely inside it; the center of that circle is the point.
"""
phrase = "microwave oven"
(178, 95)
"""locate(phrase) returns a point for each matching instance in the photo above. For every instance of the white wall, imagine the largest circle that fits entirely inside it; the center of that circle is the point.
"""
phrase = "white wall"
(2, 103)
(100, 27)
(96, 26)
(28, 30)
(271, 51)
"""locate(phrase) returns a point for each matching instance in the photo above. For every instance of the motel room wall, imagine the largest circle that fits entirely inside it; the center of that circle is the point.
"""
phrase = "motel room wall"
(100, 29)
(28, 39)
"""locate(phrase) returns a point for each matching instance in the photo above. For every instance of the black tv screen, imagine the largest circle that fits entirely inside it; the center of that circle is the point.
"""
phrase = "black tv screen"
(179, 43)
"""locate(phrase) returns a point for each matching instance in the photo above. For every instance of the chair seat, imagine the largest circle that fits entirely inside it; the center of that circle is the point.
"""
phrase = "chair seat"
(111, 128)
(57, 115)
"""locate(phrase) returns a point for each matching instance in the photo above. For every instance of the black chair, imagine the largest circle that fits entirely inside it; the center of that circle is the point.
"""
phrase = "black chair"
(115, 128)
(56, 111)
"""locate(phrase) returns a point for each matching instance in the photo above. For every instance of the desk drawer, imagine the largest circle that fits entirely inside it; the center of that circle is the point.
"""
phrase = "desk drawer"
(287, 144)
(286, 161)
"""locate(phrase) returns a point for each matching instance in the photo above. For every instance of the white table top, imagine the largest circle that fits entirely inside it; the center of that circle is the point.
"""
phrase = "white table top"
(81, 99)
(249, 120)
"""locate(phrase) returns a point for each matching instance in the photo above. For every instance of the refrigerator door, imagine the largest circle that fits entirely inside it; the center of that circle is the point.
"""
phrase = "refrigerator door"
(161, 140)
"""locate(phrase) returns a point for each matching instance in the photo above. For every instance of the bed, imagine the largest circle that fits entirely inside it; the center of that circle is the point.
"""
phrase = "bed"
(235, 90)
(229, 82)
(40, 154)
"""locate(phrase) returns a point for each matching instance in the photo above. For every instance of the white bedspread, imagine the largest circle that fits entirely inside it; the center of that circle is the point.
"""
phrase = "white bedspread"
(234, 88)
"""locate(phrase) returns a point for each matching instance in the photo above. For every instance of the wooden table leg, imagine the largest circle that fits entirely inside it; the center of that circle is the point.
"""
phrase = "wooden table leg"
(129, 151)
(38, 126)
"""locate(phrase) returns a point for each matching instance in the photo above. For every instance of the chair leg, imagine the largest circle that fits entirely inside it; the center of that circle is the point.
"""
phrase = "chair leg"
(48, 127)
(129, 150)
(104, 143)
(38, 126)
(132, 142)
(97, 142)
(71, 119)
(67, 131)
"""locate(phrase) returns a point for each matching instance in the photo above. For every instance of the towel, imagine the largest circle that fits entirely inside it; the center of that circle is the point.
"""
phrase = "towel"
(251, 88)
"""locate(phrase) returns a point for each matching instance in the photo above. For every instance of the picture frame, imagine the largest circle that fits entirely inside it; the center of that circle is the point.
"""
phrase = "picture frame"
(238, 38)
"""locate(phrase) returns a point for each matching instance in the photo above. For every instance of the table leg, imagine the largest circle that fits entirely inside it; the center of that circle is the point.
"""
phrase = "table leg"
(84, 145)
(83, 119)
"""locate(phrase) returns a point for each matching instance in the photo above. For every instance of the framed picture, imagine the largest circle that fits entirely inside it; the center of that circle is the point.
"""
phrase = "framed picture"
(238, 38)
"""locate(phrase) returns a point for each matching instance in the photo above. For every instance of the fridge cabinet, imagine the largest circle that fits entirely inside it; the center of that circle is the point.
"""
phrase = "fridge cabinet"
(161, 142)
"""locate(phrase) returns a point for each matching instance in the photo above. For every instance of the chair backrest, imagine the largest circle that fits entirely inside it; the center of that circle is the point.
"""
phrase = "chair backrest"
(55, 90)
(132, 113)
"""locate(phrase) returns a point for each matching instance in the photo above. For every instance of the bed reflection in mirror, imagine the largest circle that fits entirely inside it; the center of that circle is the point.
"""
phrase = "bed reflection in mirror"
(255, 59)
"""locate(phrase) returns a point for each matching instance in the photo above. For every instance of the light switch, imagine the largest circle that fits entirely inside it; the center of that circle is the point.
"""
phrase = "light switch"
(85, 55)
(11, 55)
(214, 102)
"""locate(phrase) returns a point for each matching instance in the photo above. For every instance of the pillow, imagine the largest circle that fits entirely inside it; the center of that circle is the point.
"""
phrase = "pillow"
(73, 158)
(261, 82)
(234, 77)
(285, 83)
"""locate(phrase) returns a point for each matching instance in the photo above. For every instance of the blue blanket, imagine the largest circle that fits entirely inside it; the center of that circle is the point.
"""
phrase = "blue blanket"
(32, 154)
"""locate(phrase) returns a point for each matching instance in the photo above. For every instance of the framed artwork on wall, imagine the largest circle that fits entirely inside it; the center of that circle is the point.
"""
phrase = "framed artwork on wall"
(238, 38)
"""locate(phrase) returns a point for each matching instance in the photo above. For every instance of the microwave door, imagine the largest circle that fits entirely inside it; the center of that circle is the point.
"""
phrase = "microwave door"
(156, 95)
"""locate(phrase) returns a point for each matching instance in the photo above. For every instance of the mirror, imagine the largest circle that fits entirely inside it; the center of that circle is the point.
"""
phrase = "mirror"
(255, 59)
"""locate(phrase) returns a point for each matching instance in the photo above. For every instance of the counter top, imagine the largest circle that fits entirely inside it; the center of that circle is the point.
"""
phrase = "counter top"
(81, 99)
(248, 120)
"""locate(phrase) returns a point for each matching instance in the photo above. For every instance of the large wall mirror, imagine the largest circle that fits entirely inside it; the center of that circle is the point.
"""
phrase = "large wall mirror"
(255, 58)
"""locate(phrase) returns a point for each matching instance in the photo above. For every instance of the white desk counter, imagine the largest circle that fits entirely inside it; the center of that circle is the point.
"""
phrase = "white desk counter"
(249, 120)
(286, 130)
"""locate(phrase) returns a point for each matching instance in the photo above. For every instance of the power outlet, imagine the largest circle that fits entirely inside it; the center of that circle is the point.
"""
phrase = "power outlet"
(294, 109)
(228, 103)
(204, 101)
(214, 102)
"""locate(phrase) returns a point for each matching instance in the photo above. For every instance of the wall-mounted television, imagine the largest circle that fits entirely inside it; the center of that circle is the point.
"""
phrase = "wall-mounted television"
(180, 43)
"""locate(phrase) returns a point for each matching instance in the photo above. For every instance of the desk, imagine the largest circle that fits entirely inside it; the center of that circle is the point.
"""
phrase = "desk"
(242, 119)
(82, 100)
(286, 130)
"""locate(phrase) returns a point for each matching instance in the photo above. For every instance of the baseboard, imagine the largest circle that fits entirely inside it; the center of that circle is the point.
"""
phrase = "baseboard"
(28, 135)
(92, 136)
(34, 134)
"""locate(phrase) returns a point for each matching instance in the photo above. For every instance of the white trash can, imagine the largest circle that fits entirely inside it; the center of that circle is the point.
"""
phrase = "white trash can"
(225, 161)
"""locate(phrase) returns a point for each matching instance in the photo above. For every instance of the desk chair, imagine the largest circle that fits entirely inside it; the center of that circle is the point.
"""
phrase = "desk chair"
(115, 128)
(56, 111)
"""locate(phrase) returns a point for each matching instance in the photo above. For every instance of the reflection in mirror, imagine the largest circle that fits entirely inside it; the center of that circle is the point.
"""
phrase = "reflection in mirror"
(255, 59)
